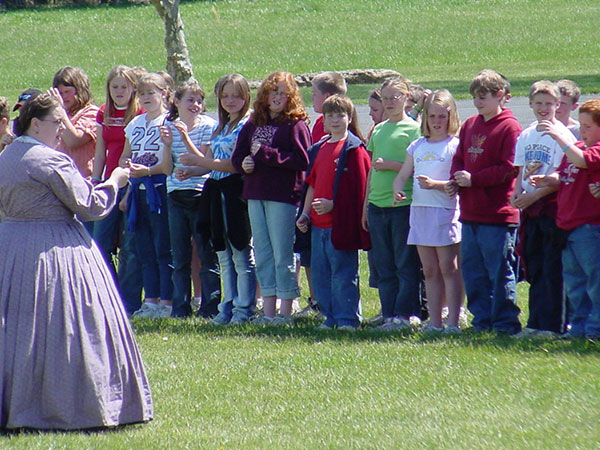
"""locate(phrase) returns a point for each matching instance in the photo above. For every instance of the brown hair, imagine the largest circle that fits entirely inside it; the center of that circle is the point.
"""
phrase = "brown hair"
(133, 105)
(330, 83)
(569, 88)
(190, 85)
(592, 107)
(243, 89)
(4, 109)
(489, 81)
(544, 87)
(376, 95)
(443, 98)
(294, 109)
(342, 104)
(38, 107)
(77, 78)
(157, 81)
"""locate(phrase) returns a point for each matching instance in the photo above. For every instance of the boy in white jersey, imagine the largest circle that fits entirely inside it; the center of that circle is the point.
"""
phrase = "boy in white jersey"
(541, 240)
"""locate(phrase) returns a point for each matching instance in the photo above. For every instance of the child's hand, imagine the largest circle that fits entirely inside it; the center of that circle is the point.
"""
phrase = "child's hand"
(166, 135)
(6, 139)
(379, 164)
(55, 93)
(554, 131)
(123, 204)
(183, 174)
(539, 181)
(399, 197)
(255, 148)
(462, 178)
(425, 182)
(595, 189)
(524, 200)
(181, 127)
(322, 205)
(248, 164)
(451, 188)
(514, 197)
(364, 221)
(190, 160)
(302, 222)
(139, 170)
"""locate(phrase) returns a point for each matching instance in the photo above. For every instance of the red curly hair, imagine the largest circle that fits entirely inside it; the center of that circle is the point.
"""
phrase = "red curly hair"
(294, 110)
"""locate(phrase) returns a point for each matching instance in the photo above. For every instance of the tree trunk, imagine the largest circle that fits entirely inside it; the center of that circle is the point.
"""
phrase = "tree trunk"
(179, 65)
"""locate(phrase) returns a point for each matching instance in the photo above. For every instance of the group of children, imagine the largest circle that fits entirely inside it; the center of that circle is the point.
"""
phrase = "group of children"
(422, 193)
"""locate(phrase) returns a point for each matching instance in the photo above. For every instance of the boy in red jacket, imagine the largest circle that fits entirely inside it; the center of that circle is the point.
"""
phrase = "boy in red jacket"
(483, 174)
(336, 178)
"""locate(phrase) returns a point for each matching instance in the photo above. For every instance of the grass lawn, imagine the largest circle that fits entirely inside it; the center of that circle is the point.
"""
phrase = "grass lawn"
(251, 387)
(441, 43)
(254, 387)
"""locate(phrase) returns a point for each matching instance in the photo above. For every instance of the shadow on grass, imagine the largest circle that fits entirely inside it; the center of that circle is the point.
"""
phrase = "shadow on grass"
(84, 432)
(306, 330)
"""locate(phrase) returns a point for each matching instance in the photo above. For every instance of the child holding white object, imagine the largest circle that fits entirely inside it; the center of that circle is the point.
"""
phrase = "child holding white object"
(429, 158)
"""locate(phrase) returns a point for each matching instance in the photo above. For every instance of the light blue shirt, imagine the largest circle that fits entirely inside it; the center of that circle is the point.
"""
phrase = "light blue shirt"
(223, 145)
(199, 136)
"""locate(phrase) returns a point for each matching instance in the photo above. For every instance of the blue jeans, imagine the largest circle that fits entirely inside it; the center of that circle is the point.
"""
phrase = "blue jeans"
(110, 233)
(581, 273)
(239, 282)
(397, 263)
(183, 223)
(488, 267)
(273, 231)
(335, 280)
(154, 247)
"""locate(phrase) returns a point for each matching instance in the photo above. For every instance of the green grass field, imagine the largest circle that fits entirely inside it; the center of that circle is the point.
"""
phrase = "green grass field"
(252, 387)
(441, 43)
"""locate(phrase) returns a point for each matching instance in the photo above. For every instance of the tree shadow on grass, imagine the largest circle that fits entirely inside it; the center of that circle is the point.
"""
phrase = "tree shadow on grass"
(306, 331)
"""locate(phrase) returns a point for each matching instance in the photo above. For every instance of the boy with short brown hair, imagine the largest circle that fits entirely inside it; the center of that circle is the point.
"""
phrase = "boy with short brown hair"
(569, 98)
(324, 85)
(483, 174)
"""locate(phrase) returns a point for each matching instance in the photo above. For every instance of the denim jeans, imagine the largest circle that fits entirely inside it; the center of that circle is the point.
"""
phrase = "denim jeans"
(488, 267)
(110, 233)
(154, 247)
(239, 282)
(543, 248)
(273, 230)
(335, 280)
(581, 273)
(397, 263)
(183, 223)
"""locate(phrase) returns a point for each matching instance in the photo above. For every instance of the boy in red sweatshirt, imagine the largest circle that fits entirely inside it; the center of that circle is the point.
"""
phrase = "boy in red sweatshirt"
(483, 175)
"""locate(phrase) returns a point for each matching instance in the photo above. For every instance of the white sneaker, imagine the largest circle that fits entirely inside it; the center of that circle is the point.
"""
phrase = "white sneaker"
(163, 312)
(394, 324)
(195, 303)
(147, 310)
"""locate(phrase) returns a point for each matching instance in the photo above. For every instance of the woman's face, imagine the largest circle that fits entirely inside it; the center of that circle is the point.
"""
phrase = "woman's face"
(47, 129)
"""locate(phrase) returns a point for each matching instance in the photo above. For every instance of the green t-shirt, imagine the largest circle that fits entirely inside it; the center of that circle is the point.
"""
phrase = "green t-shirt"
(390, 141)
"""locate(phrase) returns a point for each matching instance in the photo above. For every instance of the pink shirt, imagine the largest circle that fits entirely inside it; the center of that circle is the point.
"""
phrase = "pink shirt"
(83, 156)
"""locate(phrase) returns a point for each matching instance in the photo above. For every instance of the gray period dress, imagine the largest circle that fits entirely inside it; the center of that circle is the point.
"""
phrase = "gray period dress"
(68, 357)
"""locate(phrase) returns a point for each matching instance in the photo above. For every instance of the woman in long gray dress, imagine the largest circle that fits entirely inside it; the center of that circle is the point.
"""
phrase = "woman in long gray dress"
(68, 357)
